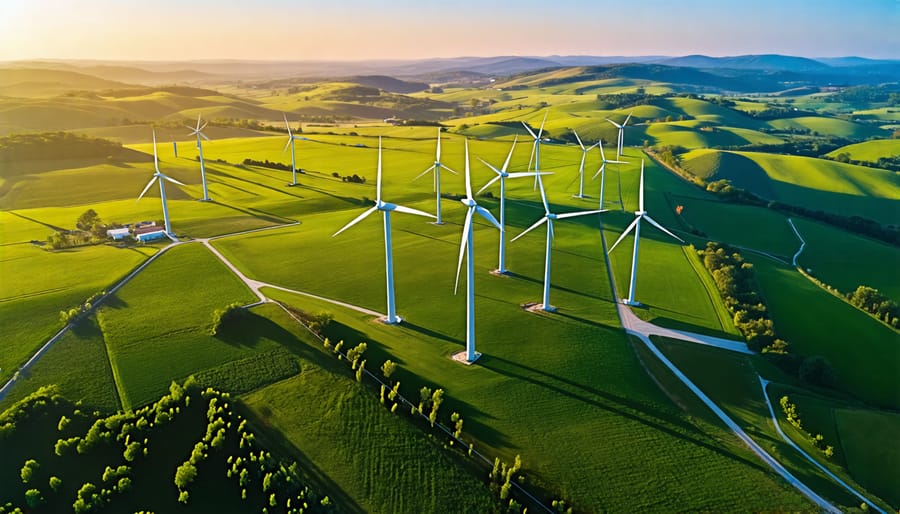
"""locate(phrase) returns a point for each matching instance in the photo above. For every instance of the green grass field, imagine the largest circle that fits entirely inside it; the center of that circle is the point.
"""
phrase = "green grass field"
(37, 284)
(870, 151)
(863, 351)
(155, 326)
(830, 126)
(868, 440)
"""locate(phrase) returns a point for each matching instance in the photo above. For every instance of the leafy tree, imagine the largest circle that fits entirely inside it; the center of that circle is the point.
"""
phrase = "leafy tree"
(55, 483)
(87, 220)
(817, 370)
(28, 470)
(184, 475)
(388, 368)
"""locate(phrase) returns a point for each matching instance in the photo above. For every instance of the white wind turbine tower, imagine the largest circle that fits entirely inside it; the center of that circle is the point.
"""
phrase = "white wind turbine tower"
(536, 148)
(636, 225)
(584, 152)
(198, 132)
(502, 175)
(549, 218)
(602, 171)
(291, 138)
(158, 175)
(436, 167)
(465, 248)
(621, 141)
(386, 209)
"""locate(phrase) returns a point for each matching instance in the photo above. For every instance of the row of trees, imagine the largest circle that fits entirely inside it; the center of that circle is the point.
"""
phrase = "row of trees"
(54, 145)
(790, 412)
(872, 301)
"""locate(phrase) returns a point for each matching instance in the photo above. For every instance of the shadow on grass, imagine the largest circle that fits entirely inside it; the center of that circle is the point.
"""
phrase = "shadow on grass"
(51, 227)
(431, 333)
(675, 324)
(513, 274)
(624, 407)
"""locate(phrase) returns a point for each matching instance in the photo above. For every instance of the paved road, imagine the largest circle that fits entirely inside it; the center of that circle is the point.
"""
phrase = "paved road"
(635, 324)
(764, 383)
(802, 241)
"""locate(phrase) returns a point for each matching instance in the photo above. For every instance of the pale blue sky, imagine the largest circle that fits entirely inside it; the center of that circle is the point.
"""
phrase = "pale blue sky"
(359, 29)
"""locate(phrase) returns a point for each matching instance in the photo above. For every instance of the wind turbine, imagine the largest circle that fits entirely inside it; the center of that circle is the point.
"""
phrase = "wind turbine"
(636, 225)
(291, 138)
(386, 209)
(502, 175)
(536, 149)
(549, 218)
(198, 132)
(436, 167)
(621, 142)
(158, 175)
(602, 171)
(465, 248)
(584, 152)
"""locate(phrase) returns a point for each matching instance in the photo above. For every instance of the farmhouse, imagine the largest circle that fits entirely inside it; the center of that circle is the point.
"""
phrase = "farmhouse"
(118, 233)
(151, 233)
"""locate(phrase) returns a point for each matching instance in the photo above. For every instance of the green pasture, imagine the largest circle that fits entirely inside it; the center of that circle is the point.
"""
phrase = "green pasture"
(155, 326)
(756, 228)
(37, 284)
(868, 439)
(822, 125)
(870, 151)
(803, 181)
(732, 382)
(829, 250)
(863, 352)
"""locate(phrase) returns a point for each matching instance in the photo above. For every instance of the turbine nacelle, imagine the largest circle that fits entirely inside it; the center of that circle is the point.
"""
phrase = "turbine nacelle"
(468, 202)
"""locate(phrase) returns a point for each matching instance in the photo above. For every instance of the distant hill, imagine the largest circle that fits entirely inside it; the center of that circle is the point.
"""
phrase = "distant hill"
(32, 82)
(854, 61)
(748, 62)
(389, 84)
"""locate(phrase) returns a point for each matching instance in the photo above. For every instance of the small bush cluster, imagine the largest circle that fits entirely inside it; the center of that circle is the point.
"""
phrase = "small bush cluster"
(222, 317)
(790, 411)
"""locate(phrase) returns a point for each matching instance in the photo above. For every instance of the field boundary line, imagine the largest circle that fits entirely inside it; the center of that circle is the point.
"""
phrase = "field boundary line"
(764, 383)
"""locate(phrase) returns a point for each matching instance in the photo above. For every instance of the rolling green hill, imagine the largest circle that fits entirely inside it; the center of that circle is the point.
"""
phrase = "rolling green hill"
(870, 151)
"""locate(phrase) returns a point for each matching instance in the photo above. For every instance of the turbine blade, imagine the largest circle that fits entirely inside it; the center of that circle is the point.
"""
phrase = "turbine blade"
(541, 131)
(626, 119)
(205, 123)
(286, 145)
(357, 219)
(602, 168)
(287, 126)
(533, 148)
(437, 157)
(420, 175)
(509, 156)
(579, 140)
(490, 182)
(543, 194)
(146, 188)
(537, 224)
(529, 130)
(155, 157)
(468, 174)
(617, 162)
(495, 170)
(579, 213)
(410, 210)
(627, 230)
(520, 174)
(614, 123)
(641, 197)
(172, 180)
(486, 214)
(467, 226)
(201, 134)
(378, 181)
(602, 154)
(657, 225)
(445, 167)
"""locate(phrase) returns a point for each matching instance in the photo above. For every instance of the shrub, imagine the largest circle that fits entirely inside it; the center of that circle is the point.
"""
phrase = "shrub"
(221, 317)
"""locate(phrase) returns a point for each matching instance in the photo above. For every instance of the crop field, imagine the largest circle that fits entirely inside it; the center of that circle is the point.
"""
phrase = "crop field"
(161, 316)
(78, 365)
(37, 284)
(863, 351)
(373, 456)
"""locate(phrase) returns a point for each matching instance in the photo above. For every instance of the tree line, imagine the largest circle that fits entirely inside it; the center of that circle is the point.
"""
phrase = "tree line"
(55, 145)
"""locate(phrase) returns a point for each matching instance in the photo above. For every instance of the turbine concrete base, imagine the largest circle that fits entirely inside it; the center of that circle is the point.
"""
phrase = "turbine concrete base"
(498, 273)
(538, 307)
(628, 302)
(460, 357)
(384, 320)
(437, 223)
(205, 200)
